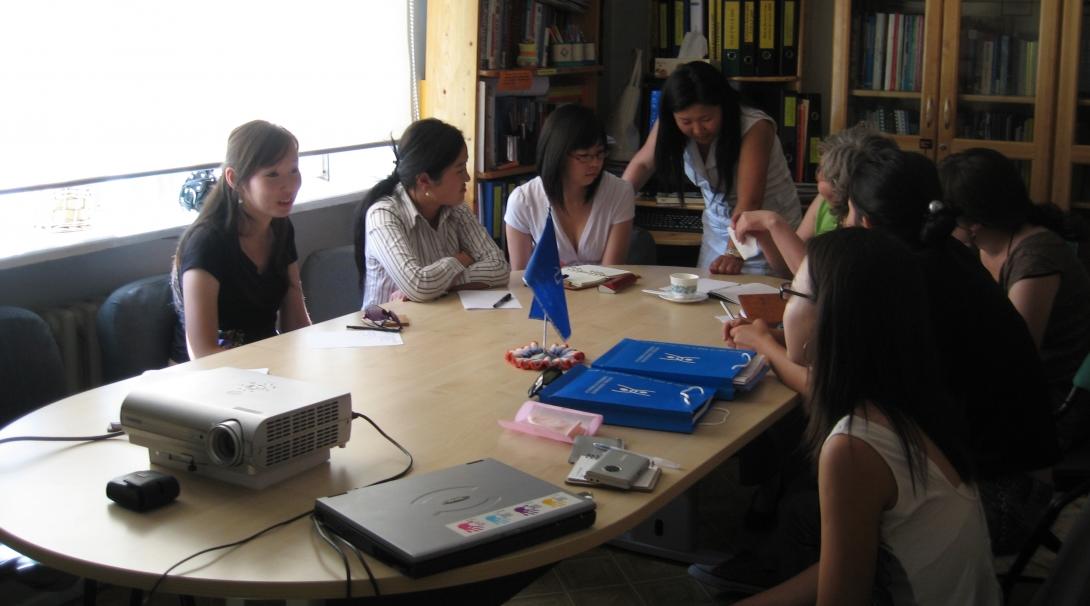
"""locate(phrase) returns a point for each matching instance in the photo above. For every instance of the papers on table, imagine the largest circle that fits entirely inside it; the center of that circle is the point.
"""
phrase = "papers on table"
(485, 299)
(703, 286)
(351, 338)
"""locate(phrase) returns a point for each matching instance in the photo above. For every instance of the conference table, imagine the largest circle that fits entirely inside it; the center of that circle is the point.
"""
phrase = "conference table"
(439, 394)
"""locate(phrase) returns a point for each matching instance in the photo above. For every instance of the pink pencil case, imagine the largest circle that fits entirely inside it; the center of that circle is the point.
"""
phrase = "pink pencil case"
(553, 422)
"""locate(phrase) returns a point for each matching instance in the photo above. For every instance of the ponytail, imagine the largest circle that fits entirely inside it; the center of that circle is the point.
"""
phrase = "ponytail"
(899, 192)
(938, 222)
(380, 190)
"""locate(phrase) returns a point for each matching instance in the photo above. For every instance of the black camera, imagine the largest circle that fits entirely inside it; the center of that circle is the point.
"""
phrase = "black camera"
(195, 188)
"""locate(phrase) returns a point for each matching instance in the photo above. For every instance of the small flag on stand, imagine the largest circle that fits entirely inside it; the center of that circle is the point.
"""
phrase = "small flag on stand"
(543, 276)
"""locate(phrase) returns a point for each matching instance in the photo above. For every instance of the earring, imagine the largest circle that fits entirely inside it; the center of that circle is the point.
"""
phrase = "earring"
(427, 194)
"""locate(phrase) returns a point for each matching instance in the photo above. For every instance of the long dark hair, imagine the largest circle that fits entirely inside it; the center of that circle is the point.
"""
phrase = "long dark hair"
(986, 188)
(697, 83)
(251, 147)
(861, 278)
(428, 147)
(568, 128)
(899, 192)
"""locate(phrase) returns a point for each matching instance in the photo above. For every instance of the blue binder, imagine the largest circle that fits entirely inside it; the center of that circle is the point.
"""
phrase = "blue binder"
(679, 362)
(631, 400)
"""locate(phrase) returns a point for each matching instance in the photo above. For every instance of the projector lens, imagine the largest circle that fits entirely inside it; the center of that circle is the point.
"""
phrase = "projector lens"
(225, 444)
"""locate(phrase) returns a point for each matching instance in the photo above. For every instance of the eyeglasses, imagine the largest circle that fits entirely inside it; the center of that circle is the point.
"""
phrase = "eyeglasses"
(547, 376)
(588, 158)
(786, 292)
(378, 318)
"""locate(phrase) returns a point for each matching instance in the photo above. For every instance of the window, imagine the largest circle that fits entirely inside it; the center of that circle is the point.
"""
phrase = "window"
(96, 90)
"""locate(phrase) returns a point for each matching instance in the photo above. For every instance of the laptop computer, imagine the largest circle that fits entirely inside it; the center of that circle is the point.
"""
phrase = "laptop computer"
(427, 523)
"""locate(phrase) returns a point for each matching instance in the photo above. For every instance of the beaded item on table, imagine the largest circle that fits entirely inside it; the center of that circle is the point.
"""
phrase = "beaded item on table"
(536, 357)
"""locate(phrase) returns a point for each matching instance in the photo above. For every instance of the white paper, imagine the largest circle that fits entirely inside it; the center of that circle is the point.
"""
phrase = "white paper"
(351, 338)
(485, 299)
(731, 293)
(747, 247)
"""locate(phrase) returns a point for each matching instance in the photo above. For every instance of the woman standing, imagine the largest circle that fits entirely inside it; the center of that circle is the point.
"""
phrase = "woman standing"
(415, 239)
(593, 210)
(236, 271)
(728, 150)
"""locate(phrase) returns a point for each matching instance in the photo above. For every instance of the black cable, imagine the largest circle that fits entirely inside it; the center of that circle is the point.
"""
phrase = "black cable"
(348, 579)
(358, 415)
(363, 562)
(321, 528)
(155, 587)
(105, 436)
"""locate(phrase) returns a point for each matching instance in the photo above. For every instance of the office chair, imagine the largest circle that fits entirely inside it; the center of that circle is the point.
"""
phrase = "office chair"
(136, 327)
(31, 370)
(331, 283)
(641, 248)
(1069, 582)
(1070, 478)
(32, 376)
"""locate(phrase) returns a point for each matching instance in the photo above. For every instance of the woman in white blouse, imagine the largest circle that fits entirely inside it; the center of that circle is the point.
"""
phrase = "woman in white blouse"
(592, 209)
(415, 239)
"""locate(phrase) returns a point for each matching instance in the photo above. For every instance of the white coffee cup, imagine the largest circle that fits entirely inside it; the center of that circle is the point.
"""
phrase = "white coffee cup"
(683, 285)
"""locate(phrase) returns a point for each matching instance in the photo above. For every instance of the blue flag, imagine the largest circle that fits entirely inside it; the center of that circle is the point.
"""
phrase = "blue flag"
(544, 278)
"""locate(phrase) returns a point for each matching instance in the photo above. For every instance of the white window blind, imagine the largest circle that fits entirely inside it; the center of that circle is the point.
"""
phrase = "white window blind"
(104, 88)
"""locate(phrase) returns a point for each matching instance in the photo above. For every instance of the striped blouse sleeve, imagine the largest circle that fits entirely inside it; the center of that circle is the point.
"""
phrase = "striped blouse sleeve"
(391, 240)
(489, 266)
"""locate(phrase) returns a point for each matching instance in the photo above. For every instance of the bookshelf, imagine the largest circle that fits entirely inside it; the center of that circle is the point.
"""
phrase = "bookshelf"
(942, 76)
(468, 45)
(776, 30)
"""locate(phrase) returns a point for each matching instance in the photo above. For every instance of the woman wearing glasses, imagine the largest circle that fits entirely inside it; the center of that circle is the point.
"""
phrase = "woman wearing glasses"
(730, 151)
(592, 209)
(415, 239)
(236, 272)
(900, 516)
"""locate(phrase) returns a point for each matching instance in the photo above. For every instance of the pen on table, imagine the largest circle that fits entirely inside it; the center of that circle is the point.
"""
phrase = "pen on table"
(503, 299)
(378, 328)
(726, 309)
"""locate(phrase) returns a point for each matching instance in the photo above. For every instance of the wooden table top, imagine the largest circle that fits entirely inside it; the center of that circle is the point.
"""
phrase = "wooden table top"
(440, 395)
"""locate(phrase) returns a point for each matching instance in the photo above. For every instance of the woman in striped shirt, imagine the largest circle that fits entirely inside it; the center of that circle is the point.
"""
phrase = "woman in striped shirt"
(415, 239)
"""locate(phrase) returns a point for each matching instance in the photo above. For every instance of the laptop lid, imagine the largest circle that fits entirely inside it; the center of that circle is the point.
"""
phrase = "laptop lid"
(462, 514)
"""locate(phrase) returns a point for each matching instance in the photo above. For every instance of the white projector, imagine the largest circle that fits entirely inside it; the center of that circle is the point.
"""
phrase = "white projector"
(238, 426)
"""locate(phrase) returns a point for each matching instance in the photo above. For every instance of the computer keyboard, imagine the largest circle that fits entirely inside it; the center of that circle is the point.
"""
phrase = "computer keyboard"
(669, 219)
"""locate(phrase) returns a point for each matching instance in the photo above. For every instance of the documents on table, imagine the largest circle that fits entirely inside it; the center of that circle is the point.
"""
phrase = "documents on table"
(351, 338)
(730, 293)
(486, 299)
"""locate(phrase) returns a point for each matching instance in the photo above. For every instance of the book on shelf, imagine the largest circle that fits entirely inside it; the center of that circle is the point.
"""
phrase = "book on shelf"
(749, 38)
(768, 58)
(733, 46)
(789, 36)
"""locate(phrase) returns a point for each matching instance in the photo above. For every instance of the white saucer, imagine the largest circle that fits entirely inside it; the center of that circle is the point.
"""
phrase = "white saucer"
(693, 298)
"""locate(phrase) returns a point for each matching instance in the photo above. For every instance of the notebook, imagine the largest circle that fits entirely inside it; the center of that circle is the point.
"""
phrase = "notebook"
(427, 523)
(578, 277)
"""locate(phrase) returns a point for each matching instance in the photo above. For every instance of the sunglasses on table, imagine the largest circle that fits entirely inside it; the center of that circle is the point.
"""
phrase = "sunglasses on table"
(547, 376)
(378, 318)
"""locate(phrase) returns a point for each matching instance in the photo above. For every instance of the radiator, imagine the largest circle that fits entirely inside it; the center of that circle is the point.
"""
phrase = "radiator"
(74, 328)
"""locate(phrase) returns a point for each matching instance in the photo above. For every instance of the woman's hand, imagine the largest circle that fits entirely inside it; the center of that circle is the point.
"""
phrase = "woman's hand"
(726, 264)
(752, 221)
(464, 258)
(397, 295)
(747, 334)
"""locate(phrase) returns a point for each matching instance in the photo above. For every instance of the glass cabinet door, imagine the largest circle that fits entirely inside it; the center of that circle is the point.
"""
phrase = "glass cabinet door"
(994, 91)
(1071, 172)
(892, 68)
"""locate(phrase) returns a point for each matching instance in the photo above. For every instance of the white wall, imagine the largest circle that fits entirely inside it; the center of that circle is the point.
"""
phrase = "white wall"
(96, 274)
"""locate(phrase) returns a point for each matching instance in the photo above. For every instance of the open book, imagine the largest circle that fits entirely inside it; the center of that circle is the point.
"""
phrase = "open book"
(578, 277)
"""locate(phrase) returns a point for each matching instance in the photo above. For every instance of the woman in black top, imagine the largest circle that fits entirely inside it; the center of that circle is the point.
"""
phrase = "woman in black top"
(236, 271)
